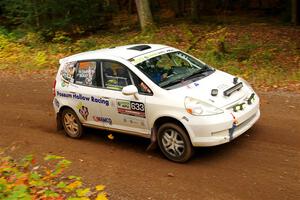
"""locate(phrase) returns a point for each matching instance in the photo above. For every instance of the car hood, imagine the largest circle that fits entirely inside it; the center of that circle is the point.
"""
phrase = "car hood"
(201, 89)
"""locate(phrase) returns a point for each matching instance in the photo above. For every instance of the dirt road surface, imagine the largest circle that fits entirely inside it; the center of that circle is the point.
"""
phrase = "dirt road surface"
(263, 163)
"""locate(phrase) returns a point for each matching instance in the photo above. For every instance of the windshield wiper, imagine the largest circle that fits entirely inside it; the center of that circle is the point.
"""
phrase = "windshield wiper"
(198, 73)
(174, 82)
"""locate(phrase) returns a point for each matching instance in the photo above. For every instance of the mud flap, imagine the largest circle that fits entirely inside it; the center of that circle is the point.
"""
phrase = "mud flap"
(153, 138)
(59, 125)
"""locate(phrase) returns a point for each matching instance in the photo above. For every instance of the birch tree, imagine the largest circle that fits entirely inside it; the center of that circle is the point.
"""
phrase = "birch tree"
(144, 13)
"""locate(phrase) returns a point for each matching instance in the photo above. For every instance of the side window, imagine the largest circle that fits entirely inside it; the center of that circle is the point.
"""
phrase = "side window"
(115, 75)
(141, 86)
(67, 72)
(86, 73)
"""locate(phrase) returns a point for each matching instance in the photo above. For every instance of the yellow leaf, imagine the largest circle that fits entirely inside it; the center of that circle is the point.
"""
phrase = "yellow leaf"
(84, 198)
(101, 196)
(110, 136)
(83, 192)
(100, 187)
(74, 185)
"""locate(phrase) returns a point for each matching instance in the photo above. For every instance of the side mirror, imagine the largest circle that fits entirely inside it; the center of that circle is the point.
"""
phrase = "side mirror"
(130, 90)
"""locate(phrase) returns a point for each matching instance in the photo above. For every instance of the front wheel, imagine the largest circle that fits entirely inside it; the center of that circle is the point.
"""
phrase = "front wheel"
(71, 124)
(174, 142)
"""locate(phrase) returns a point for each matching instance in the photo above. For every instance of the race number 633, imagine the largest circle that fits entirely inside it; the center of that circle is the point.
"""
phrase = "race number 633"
(137, 106)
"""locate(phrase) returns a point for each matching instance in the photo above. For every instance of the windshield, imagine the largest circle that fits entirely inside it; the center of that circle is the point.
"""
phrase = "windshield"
(171, 69)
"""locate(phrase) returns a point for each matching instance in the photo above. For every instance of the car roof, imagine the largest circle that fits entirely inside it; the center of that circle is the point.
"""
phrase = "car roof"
(125, 52)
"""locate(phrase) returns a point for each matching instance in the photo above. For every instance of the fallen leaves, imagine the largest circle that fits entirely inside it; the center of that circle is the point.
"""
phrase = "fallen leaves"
(100, 187)
(74, 185)
(25, 179)
(101, 196)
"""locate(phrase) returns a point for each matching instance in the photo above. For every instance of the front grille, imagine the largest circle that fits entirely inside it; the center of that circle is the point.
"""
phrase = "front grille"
(241, 125)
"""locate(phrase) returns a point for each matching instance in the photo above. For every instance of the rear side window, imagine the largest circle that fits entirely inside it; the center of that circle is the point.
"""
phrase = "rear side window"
(68, 70)
(86, 73)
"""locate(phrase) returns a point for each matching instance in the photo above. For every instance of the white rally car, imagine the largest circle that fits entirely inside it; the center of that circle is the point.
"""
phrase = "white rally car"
(153, 91)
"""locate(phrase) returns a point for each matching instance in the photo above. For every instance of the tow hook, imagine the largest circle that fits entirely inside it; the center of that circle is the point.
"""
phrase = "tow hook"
(234, 125)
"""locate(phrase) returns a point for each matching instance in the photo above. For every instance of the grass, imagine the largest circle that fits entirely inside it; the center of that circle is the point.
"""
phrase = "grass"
(264, 54)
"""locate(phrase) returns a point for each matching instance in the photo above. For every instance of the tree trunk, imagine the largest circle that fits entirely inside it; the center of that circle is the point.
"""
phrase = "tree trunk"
(145, 15)
(130, 10)
(295, 11)
(178, 7)
(194, 10)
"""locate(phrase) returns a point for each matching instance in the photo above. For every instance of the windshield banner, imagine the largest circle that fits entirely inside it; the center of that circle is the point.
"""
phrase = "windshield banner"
(149, 55)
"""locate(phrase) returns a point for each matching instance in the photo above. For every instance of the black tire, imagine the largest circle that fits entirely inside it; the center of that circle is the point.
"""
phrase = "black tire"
(174, 142)
(73, 128)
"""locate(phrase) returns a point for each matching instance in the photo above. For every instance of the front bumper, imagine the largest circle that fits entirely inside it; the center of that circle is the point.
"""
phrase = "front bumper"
(215, 130)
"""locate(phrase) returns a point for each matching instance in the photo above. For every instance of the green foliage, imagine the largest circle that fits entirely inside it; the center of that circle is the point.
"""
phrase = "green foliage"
(61, 37)
(241, 52)
(86, 44)
(53, 15)
(26, 179)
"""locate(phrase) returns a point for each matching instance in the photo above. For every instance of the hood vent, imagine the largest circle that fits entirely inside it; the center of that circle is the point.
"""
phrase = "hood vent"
(140, 47)
(231, 90)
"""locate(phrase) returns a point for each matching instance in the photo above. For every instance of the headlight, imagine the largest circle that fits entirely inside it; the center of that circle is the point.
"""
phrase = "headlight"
(198, 107)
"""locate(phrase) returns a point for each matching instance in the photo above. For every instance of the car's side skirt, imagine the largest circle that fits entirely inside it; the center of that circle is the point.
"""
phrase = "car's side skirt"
(118, 130)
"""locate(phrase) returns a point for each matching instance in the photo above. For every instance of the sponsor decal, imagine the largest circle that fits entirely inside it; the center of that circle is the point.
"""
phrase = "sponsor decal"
(132, 108)
(145, 57)
(61, 94)
(192, 85)
(102, 119)
(123, 104)
(103, 101)
(100, 100)
(134, 121)
(81, 97)
(84, 111)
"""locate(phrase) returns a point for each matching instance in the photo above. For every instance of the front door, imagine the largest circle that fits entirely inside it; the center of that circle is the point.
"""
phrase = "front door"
(125, 113)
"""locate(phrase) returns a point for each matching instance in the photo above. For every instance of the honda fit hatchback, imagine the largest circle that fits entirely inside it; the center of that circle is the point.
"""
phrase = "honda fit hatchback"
(154, 91)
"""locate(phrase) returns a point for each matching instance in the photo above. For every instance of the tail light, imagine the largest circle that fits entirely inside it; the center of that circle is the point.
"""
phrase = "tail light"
(53, 89)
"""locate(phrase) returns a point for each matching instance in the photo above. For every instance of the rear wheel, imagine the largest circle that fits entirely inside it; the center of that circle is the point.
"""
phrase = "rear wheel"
(72, 126)
(174, 142)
